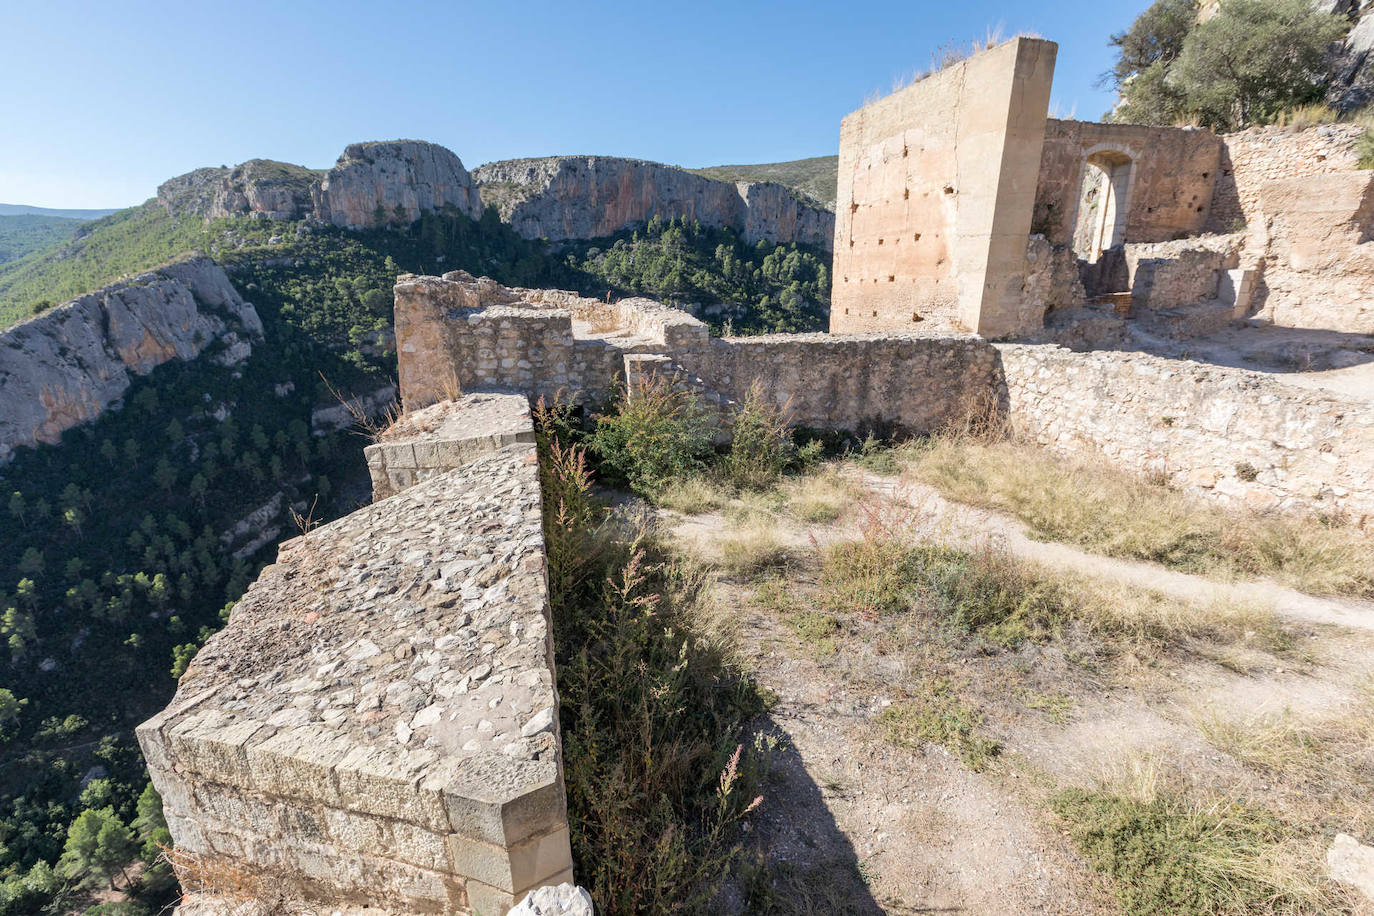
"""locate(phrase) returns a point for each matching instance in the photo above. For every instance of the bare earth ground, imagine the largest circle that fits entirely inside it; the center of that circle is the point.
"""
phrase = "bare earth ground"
(1337, 361)
(861, 825)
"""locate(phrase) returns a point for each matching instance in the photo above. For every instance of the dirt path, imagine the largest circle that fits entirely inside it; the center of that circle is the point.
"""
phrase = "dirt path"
(956, 521)
(854, 824)
(918, 830)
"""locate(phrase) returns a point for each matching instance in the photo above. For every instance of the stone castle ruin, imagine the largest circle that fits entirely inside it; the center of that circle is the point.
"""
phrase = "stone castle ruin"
(377, 725)
(962, 207)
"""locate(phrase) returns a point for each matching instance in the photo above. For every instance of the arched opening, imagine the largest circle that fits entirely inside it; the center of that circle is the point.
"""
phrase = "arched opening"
(1103, 204)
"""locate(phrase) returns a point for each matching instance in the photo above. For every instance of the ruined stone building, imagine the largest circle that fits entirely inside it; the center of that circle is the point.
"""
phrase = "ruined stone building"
(377, 725)
(962, 207)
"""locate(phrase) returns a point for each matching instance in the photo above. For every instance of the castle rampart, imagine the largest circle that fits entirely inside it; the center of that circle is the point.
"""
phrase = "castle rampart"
(377, 725)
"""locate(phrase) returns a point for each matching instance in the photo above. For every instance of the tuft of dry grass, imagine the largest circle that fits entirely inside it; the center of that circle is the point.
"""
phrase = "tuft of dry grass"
(693, 495)
(819, 497)
(1320, 765)
(1119, 514)
(751, 548)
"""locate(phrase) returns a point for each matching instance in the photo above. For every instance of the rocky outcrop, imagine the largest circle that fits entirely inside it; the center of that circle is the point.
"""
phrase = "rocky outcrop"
(372, 184)
(385, 183)
(71, 363)
(1352, 80)
(585, 197)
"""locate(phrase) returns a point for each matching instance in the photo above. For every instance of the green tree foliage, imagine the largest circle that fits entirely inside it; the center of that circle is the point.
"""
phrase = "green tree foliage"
(1246, 65)
(98, 845)
(655, 434)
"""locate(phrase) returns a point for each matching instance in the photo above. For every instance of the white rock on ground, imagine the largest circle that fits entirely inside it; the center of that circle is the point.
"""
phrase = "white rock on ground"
(556, 900)
(1351, 862)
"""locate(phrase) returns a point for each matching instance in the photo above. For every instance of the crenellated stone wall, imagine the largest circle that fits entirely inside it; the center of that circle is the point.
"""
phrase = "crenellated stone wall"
(476, 335)
(377, 724)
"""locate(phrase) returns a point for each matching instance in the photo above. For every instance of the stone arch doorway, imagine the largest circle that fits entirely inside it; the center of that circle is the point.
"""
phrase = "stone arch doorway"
(1103, 204)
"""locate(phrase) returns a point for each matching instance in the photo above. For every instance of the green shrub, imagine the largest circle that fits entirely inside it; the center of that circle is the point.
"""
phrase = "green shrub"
(761, 445)
(1168, 855)
(654, 435)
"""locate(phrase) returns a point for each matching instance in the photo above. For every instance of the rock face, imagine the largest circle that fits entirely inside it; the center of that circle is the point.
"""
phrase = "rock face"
(68, 365)
(382, 183)
(586, 197)
(372, 184)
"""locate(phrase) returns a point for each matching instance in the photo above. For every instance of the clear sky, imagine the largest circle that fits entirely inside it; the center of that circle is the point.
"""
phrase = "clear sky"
(101, 101)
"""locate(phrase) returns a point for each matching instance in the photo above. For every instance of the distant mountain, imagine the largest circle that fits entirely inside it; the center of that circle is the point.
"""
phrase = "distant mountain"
(813, 177)
(26, 210)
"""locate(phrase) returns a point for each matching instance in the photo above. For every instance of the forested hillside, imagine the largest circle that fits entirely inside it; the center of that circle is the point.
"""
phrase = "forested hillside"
(21, 234)
(134, 535)
(814, 177)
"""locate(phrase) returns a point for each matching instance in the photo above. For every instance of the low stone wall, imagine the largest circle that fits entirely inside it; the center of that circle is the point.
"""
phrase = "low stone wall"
(485, 337)
(377, 725)
(443, 436)
(1236, 435)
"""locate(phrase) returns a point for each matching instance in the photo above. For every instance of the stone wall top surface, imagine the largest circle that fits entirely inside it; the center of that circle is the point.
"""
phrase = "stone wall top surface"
(405, 645)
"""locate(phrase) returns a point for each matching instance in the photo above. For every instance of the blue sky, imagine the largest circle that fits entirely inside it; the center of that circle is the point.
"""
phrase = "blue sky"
(101, 101)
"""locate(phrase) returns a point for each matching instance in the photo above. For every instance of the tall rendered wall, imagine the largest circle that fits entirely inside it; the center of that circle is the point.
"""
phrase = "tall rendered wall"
(936, 189)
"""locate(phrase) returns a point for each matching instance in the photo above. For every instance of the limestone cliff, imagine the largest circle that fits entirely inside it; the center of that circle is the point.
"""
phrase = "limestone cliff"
(69, 364)
(584, 197)
(372, 184)
(378, 182)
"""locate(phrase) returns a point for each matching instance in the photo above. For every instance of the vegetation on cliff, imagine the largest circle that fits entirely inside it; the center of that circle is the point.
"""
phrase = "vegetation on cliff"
(1247, 65)
(814, 178)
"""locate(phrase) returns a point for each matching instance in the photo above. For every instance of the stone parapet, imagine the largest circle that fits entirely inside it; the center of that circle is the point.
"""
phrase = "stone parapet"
(443, 436)
(1235, 435)
(377, 725)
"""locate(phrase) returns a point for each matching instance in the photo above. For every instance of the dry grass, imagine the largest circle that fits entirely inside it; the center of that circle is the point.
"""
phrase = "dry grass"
(692, 495)
(751, 548)
(1319, 767)
(987, 592)
(819, 497)
(243, 888)
(1119, 514)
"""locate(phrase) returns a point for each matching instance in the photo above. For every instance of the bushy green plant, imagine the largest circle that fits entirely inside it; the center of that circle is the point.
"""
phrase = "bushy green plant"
(655, 433)
(1252, 61)
(761, 445)
(1167, 855)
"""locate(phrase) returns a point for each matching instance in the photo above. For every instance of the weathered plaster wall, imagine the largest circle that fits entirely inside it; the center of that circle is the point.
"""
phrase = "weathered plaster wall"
(377, 724)
(1319, 255)
(936, 189)
(1207, 429)
(1251, 158)
(1170, 188)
